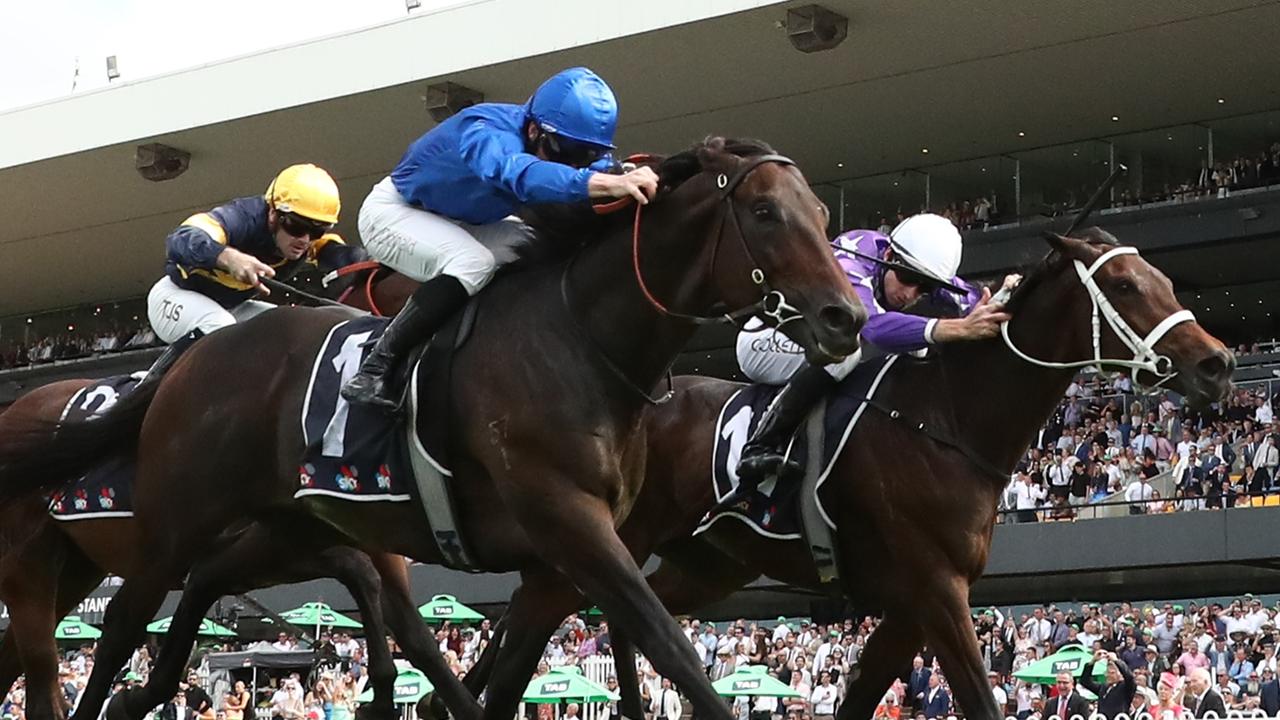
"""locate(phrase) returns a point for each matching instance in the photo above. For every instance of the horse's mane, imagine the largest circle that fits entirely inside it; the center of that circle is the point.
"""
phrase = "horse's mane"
(1050, 264)
(560, 229)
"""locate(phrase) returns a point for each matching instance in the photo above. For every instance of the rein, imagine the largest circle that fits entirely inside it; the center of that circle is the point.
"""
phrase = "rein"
(372, 266)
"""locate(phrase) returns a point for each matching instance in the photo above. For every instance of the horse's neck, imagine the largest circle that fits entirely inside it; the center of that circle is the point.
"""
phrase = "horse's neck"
(607, 301)
(1008, 399)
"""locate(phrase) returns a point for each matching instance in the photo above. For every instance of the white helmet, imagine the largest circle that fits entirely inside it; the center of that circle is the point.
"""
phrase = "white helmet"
(928, 244)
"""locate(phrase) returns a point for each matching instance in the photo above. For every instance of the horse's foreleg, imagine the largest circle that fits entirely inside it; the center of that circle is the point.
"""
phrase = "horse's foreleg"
(576, 535)
(124, 629)
(417, 643)
(543, 600)
(889, 649)
(624, 667)
(949, 629)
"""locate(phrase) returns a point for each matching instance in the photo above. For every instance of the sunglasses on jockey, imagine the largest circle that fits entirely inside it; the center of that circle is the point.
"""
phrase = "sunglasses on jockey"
(298, 226)
(571, 152)
(911, 277)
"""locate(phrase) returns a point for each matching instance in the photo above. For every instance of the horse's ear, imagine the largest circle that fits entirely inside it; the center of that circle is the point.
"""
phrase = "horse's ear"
(1067, 247)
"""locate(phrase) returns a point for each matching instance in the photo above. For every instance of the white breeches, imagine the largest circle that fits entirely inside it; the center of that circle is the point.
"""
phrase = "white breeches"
(174, 312)
(768, 356)
(422, 244)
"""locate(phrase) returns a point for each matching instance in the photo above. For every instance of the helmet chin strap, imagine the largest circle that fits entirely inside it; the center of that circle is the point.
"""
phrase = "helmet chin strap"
(1145, 357)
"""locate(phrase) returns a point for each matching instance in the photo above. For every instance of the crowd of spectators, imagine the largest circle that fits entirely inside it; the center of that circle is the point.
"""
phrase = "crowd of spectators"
(1218, 180)
(1104, 443)
(1174, 659)
(74, 345)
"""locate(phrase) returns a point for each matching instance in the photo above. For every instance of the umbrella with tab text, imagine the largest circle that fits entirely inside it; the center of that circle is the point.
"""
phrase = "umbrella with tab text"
(71, 628)
(447, 607)
(753, 681)
(410, 686)
(566, 683)
(1070, 659)
(208, 628)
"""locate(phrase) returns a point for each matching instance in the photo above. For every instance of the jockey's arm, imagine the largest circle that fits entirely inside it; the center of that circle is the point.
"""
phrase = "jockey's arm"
(499, 158)
(197, 243)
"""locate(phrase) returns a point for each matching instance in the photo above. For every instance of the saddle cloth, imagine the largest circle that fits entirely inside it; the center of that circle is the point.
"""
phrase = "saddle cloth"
(353, 452)
(774, 509)
(106, 491)
(364, 454)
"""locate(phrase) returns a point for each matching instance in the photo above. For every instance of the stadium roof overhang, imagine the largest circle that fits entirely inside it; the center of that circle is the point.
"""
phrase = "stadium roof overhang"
(79, 225)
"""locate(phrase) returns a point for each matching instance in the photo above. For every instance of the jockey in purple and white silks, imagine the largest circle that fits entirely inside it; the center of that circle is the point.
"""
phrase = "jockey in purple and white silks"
(891, 275)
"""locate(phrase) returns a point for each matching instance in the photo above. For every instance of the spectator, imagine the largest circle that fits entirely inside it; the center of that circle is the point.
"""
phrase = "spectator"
(937, 701)
(1201, 699)
(1116, 695)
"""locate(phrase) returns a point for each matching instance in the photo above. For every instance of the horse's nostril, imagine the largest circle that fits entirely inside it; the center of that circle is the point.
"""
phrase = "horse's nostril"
(1215, 366)
(840, 321)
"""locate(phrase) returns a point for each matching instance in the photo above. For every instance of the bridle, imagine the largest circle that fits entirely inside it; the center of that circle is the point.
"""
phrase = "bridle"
(772, 303)
(1145, 357)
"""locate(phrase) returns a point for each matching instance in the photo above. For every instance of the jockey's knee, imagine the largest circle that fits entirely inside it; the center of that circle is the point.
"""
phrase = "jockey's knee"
(474, 268)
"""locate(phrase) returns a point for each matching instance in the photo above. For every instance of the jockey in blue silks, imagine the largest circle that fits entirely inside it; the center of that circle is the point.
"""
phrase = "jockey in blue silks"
(891, 274)
(444, 216)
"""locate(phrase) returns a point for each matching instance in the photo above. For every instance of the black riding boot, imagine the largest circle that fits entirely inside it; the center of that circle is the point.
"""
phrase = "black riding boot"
(765, 453)
(426, 310)
(170, 356)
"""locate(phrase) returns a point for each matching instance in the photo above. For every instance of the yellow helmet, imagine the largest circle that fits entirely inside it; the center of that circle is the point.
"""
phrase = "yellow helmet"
(305, 190)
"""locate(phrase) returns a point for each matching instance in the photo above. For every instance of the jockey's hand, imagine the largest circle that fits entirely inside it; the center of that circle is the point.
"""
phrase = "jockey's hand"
(981, 323)
(1011, 282)
(245, 268)
(640, 184)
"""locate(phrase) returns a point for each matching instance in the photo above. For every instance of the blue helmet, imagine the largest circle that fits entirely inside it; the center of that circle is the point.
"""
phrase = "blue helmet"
(577, 104)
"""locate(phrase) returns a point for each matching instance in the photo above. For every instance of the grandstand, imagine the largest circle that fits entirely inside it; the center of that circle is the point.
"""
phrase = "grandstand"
(1003, 118)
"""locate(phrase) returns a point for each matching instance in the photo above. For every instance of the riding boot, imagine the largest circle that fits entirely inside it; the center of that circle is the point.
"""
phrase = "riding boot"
(426, 310)
(764, 454)
(170, 356)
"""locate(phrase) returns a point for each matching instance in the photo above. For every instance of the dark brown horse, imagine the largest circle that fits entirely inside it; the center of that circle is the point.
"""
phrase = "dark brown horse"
(550, 393)
(47, 567)
(913, 516)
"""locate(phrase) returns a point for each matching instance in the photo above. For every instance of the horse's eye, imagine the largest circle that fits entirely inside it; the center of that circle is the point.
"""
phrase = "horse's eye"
(764, 211)
(1125, 286)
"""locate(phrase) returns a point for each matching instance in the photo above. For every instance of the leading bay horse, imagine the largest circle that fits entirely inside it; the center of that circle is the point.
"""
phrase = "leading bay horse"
(48, 566)
(913, 509)
(549, 398)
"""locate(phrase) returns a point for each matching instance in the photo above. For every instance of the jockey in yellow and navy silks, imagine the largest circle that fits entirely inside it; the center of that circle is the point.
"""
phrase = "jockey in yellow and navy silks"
(215, 260)
(444, 215)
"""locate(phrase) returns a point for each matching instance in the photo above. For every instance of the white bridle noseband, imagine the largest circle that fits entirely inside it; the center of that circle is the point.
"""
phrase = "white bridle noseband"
(1145, 356)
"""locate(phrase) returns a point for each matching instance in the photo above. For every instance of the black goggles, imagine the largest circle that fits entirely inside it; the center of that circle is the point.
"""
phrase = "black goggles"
(297, 226)
(572, 152)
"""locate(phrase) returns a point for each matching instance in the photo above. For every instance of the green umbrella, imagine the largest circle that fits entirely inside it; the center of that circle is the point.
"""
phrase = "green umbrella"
(316, 614)
(1071, 659)
(72, 629)
(753, 681)
(447, 607)
(208, 628)
(593, 611)
(410, 686)
(566, 683)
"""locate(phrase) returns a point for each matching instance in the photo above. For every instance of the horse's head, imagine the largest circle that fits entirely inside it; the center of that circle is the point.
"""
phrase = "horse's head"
(1113, 309)
(769, 247)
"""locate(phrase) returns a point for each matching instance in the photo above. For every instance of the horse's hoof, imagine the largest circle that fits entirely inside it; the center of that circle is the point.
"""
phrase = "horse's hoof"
(431, 707)
(370, 711)
(437, 707)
